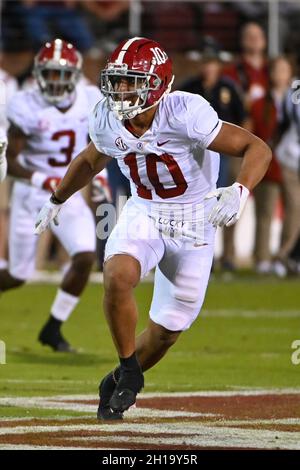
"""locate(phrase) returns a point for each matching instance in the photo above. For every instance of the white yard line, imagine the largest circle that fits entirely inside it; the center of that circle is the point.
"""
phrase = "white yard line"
(195, 435)
(60, 417)
(257, 422)
(260, 313)
(212, 437)
(186, 428)
(47, 381)
(32, 447)
(134, 413)
(224, 433)
(44, 403)
(224, 393)
(139, 413)
(61, 401)
(55, 277)
(202, 393)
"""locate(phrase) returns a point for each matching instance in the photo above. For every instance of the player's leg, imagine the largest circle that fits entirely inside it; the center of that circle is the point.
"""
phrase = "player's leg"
(129, 256)
(180, 284)
(179, 289)
(153, 343)
(22, 241)
(4, 222)
(66, 300)
(76, 232)
(77, 275)
(7, 281)
(121, 275)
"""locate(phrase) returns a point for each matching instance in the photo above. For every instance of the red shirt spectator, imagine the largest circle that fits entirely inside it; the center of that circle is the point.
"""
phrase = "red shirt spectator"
(264, 115)
(250, 70)
(266, 112)
(252, 80)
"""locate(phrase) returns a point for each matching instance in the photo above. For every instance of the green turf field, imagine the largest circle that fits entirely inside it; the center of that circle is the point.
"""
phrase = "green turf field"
(242, 340)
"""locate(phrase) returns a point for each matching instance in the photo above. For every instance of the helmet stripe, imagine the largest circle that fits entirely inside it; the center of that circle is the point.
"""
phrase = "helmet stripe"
(124, 49)
(58, 44)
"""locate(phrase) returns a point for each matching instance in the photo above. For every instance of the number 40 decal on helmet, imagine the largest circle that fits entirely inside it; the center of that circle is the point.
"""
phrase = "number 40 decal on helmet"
(159, 55)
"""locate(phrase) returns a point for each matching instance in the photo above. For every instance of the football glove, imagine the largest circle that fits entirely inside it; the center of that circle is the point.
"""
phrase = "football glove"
(47, 213)
(3, 161)
(229, 206)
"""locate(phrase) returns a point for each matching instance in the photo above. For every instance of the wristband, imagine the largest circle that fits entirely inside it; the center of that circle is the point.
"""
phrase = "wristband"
(244, 192)
(55, 200)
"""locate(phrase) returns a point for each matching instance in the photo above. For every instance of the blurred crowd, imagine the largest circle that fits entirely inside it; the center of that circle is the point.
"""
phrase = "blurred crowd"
(256, 94)
(249, 90)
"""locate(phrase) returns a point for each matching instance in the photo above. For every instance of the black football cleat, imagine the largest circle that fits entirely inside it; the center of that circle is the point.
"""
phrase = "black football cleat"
(106, 389)
(129, 385)
(52, 337)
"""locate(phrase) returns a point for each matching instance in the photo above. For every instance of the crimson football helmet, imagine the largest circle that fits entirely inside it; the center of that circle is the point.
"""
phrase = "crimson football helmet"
(147, 69)
(57, 68)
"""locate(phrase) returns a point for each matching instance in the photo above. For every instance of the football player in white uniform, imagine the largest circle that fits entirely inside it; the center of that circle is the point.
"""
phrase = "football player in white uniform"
(167, 145)
(3, 162)
(49, 126)
(8, 86)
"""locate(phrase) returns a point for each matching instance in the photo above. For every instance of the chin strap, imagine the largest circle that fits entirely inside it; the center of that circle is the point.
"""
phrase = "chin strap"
(117, 105)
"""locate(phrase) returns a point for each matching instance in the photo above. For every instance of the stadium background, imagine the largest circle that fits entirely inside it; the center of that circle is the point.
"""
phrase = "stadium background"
(185, 28)
(245, 338)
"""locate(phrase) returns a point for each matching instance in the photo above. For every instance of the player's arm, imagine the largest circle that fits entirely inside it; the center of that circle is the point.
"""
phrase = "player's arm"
(16, 143)
(3, 161)
(237, 142)
(80, 172)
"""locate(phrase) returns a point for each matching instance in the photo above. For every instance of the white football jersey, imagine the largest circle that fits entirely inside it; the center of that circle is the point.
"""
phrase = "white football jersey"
(54, 138)
(170, 162)
(8, 87)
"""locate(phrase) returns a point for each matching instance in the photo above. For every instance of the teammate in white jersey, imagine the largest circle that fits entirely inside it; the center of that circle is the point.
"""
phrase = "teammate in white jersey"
(167, 145)
(49, 126)
(3, 147)
(8, 86)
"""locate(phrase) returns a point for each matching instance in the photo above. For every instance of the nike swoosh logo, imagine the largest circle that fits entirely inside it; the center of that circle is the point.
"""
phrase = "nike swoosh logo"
(159, 144)
(120, 394)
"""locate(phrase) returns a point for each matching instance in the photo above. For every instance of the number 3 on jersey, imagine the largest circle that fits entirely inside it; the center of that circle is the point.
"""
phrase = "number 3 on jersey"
(151, 165)
(67, 150)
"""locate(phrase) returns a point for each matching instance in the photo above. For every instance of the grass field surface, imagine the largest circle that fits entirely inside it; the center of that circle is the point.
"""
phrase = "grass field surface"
(240, 343)
(242, 338)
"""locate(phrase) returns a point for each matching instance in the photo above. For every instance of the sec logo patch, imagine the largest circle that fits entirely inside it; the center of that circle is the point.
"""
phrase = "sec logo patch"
(120, 144)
